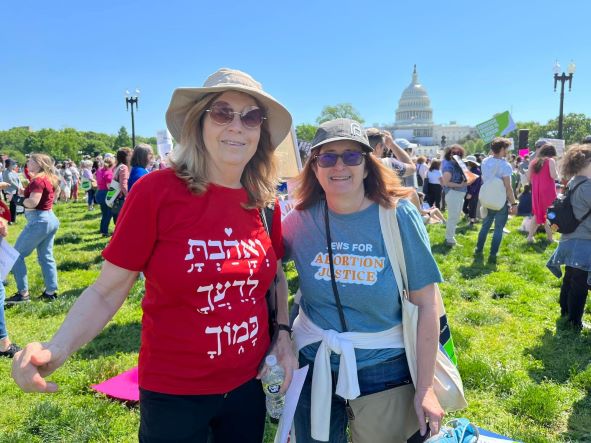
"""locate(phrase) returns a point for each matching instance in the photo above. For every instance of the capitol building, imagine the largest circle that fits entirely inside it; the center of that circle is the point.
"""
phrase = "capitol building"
(414, 121)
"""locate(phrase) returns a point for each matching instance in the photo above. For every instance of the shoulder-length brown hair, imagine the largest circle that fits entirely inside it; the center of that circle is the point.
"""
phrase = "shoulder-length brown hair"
(382, 185)
(454, 148)
(189, 158)
(546, 151)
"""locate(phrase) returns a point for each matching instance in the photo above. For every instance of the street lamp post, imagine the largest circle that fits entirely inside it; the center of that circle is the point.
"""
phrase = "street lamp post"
(132, 100)
(562, 79)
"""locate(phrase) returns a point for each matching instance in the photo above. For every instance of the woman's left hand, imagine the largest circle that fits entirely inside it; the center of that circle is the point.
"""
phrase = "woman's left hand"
(428, 409)
(282, 348)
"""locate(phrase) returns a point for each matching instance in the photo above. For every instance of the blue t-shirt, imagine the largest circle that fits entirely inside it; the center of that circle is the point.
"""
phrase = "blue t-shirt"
(457, 176)
(365, 280)
(136, 173)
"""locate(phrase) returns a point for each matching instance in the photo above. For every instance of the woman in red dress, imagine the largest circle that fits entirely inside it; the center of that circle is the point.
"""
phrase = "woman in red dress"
(542, 174)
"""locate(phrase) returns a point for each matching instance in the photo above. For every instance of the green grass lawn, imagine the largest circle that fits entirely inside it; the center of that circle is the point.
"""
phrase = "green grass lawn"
(525, 375)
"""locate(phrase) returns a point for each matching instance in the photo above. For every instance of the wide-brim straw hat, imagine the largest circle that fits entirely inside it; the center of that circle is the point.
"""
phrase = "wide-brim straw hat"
(471, 158)
(225, 79)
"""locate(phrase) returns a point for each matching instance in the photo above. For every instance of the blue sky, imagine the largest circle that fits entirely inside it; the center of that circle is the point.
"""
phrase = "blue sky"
(68, 63)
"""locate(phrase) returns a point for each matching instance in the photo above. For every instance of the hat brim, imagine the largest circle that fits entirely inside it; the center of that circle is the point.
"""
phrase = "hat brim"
(471, 161)
(183, 99)
(366, 146)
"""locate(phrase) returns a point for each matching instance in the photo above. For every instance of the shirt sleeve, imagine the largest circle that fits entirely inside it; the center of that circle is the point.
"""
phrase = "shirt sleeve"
(421, 268)
(36, 186)
(276, 234)
(396, 165)
(287, 229)
(123, 178)
(137, 228)
(507, 170)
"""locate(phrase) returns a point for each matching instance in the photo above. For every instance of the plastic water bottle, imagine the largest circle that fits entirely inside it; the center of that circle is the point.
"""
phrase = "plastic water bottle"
(272, 382)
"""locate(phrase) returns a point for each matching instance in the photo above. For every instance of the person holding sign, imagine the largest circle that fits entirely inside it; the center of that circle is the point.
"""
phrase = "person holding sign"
(348, 285)
(196, 232)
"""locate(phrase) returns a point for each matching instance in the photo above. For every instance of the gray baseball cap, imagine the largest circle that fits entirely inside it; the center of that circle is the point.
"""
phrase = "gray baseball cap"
(541, 142)
(341, 129)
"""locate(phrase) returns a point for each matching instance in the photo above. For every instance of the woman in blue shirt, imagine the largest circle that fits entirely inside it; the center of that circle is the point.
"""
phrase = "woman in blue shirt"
(142, 155)
(340, 194)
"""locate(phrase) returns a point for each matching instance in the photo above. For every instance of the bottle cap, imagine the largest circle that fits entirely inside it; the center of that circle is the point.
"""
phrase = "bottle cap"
(270, 360)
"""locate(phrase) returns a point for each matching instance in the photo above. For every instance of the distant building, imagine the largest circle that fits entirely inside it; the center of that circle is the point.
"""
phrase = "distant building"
(414, 121)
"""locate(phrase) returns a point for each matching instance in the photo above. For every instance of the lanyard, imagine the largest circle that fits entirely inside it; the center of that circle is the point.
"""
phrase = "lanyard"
(332, 273)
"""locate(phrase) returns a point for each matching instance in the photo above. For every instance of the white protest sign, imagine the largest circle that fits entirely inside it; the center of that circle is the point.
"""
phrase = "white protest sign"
(291, 401)
(8, 256)
(164, 142)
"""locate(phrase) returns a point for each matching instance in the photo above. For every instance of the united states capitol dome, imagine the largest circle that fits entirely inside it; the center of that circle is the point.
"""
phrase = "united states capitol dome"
(414, 106)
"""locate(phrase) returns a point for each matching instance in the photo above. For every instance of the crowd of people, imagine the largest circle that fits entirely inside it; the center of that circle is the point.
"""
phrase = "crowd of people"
(204, 334)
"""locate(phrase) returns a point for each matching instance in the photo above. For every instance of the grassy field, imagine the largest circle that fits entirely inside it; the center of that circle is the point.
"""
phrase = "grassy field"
(525, 374)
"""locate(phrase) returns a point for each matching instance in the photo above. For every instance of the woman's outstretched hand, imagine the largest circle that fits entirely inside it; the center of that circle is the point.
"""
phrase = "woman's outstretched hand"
(35, 362)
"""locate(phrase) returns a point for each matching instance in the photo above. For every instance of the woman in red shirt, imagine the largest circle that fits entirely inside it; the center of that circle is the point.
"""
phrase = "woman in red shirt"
(39, 233)
(195, 231)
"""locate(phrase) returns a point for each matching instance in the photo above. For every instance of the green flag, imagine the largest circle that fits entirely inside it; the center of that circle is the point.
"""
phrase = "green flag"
(499, 125)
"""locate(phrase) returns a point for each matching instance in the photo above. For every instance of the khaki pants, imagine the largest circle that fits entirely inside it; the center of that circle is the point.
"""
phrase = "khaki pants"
(384, 417)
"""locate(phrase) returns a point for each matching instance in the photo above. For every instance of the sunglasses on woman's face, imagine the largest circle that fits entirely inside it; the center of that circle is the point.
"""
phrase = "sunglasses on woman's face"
(222, 113)
(329, 159)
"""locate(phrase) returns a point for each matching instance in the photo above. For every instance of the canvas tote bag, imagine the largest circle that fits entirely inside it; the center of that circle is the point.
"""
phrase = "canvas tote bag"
(447, 382)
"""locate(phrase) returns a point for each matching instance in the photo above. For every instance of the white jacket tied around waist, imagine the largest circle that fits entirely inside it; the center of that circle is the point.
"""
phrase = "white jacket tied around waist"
(344, 343)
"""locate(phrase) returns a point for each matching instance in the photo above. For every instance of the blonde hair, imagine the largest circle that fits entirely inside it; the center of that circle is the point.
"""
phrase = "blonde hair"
(46, 166)
(189, 159)
(108, 162)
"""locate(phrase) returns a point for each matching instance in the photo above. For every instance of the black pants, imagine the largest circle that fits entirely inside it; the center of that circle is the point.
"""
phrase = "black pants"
(12, 207)
(238, 416)
(469, 207)
(434, 196)
(573, 295)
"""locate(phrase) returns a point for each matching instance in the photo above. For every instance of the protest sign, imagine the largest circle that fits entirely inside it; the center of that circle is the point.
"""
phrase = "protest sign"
(8, 256)
(498, 126)
(288, 154)
(164, 142)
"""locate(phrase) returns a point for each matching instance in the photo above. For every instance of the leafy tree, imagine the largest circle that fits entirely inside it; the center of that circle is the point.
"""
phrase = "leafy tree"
(122, 139)
(305, 132)
(342, 110)
(473, 146)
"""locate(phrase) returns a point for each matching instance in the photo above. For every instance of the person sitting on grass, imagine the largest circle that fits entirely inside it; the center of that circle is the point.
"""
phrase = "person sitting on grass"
(7, 348)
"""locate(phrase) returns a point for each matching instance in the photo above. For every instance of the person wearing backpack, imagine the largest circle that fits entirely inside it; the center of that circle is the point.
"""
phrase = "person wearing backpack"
(574, 249)
(496, 167)
(542, 174)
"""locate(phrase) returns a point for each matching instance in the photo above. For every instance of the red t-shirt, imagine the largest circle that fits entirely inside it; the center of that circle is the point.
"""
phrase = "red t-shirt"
(208, 263)
(43, 186)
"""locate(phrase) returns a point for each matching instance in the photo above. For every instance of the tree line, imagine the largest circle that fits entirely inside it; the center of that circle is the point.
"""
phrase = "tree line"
(65, 143)
(71, 144)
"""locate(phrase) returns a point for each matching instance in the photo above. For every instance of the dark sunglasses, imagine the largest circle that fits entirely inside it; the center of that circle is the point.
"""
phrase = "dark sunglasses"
(329, 159)
(223, 114)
